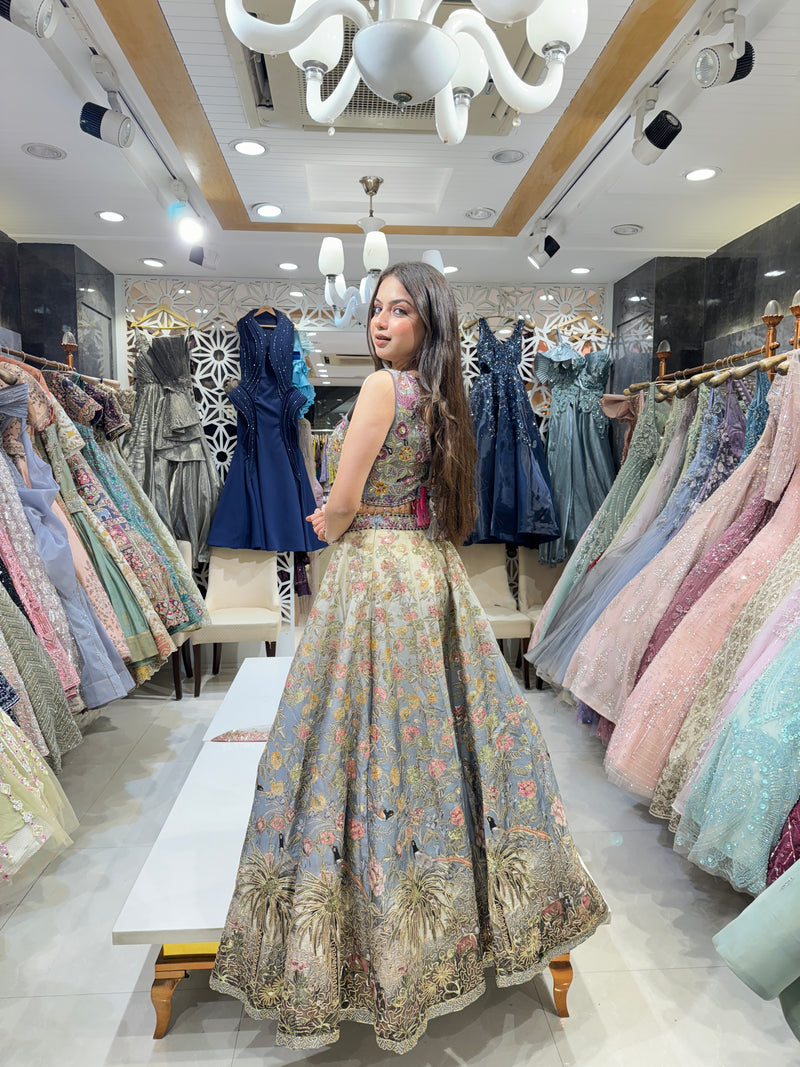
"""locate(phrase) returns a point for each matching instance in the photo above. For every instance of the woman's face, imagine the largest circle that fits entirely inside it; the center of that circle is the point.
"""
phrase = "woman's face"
(396, 329)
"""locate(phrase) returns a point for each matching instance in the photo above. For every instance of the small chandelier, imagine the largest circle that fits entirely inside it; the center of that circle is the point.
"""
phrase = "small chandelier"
(405, 59)
(350, 303)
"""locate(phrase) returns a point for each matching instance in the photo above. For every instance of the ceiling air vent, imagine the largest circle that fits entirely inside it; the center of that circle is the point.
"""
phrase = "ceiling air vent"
(273, 89)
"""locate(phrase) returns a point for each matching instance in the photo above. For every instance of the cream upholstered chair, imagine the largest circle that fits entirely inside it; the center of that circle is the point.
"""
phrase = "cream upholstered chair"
(486, 569)
(181, 640)
(536, 582)
(243, 602)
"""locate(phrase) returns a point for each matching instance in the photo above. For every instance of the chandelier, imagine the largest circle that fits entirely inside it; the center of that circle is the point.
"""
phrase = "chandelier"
(349, 303)
(405, 59)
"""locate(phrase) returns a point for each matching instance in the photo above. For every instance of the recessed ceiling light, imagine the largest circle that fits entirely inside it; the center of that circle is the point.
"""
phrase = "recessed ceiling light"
(311, 333)
(774, 273)
(287, 266)
(44, 151)
(450, 270)
(479, 213)
(547, 296)
(627, 229)
(89, 289)
(249, 148)
(150, 261)
(110, 216)
(267, 211)
(181, 292)
(508, 155)
(635, 299)
(702, 174)
(316, 349)
(580, 270)
(295, 292)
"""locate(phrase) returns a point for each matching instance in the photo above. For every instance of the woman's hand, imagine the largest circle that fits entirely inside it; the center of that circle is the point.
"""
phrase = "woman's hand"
(317, 520)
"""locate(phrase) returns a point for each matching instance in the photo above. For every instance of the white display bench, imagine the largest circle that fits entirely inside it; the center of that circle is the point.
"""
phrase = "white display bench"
(180, 899)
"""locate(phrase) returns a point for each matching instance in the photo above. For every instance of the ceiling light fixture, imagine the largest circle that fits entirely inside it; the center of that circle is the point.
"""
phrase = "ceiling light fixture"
(109, 124)
(544, 246)
(581, 270)
(350, 303)
(39, 17)
(405, 59)
(702, 174)
(508, 155)
(651, 140)
(450, 270)
(267, 211)
(43, 151)
(249, 148)
(151, 261)
(627, 229)
(721, 64)
(182, 215)
(478, 214)
(296, 293)
(774, 273)
(110, 216)
(287, 266)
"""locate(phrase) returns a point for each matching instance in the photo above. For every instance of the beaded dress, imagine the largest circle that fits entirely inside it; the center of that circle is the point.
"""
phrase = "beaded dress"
(515, 497)
(641, 454)
(607, 663)
(659, 703)
(578, 447)
(406, 829)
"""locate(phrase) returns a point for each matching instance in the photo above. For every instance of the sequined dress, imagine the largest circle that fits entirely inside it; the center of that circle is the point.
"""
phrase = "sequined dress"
(578, 447)
(515, 497)
(406, 830)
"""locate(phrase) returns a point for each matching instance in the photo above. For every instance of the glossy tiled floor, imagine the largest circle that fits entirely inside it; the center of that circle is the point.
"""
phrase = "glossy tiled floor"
(649, 989)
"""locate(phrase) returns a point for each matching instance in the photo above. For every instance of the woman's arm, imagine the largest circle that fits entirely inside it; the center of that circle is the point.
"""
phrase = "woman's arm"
(370, 422)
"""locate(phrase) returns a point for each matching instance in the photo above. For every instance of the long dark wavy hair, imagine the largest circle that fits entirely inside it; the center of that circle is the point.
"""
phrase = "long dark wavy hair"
(445, 407)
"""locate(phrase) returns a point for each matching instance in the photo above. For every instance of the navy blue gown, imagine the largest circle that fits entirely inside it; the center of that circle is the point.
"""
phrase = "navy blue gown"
(266, 494)
(515, 498)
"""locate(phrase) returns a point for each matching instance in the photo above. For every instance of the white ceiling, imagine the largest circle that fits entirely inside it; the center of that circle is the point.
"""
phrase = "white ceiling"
(747, 129)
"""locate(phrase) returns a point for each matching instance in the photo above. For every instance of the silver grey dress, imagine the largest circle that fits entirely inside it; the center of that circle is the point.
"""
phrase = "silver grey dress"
(166, 448)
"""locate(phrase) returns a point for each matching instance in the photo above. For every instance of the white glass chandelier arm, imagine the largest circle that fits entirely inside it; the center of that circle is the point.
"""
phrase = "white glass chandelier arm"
(428, 10)
(516, 93)
(328, 110)
(344, 312)
(273, 38)
(452, 116)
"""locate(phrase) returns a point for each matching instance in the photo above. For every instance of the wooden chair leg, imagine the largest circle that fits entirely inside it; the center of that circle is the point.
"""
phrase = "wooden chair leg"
(176, 674)
(161, 995)
(270, 647)
(217, 658)
(561, 970)
(186, 652)
(198, 668)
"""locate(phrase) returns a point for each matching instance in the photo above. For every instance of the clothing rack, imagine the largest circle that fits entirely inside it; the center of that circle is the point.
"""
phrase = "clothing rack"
(25, 357)
(503, 318)
(583, 316)
(720, 370)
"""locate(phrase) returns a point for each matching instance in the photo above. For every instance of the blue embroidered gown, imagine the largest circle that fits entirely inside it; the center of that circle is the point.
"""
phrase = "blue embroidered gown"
(267, 494)
(515, 498)
(406, 829)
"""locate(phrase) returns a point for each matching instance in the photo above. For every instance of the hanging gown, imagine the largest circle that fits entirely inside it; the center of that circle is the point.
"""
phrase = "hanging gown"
(406, 828)
(267, 495)
(166, 448)
(641, 454)
(607, 665)
(578, 447)
(515, 498)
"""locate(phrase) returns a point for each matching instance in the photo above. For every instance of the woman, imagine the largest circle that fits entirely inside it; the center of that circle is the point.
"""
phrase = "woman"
(406, 830)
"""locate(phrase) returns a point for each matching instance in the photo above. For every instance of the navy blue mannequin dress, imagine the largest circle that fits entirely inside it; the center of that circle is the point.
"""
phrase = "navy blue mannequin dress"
(267, 494)
(515, 498)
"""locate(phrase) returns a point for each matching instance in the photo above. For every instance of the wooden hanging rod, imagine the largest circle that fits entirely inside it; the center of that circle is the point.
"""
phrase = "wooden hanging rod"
(26, 357)
(718, 364)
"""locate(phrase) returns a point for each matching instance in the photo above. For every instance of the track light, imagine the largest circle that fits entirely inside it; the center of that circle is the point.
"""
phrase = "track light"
(38, 17)
(107, 125)
(544, 247)
(719, 65)
(651, 140)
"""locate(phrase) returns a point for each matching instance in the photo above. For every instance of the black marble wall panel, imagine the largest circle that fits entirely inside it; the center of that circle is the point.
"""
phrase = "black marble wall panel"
(9, 286)
(679, 315)
(61, 288)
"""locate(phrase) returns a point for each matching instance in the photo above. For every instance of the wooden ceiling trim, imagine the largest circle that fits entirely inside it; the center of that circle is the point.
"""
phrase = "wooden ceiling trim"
(643, 30)
(142, 32)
